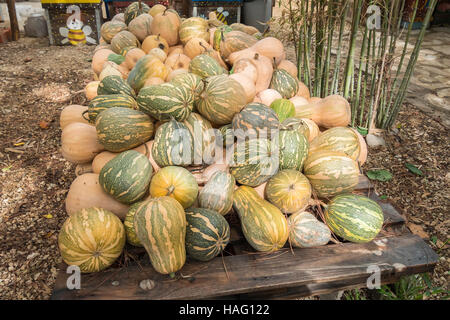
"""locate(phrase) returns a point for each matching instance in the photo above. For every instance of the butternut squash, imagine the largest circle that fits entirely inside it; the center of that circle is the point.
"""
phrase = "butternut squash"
(71, 114)
(290, 67)
(79, 143)
(247, 84)
(268, 96)
(245, 66)
(303, 90)
(90, 91)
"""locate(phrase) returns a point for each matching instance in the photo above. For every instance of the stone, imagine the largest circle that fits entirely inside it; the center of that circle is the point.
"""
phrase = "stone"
(374, 141)
(444, 93)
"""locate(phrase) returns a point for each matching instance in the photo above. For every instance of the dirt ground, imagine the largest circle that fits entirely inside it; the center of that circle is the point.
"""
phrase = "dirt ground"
(37, 81)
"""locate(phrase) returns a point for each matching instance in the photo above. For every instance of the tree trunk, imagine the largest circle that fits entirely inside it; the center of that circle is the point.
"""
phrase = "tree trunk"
(13, 20)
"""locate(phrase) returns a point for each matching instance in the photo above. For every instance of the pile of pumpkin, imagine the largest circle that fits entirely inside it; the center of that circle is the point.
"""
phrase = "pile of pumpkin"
(159, 75)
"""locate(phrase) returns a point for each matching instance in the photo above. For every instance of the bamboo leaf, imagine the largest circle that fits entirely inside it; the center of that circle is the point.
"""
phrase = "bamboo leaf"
(380, 175)
(412, 168)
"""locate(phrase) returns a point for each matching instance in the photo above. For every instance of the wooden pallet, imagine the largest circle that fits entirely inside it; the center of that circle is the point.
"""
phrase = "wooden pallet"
(280, 275)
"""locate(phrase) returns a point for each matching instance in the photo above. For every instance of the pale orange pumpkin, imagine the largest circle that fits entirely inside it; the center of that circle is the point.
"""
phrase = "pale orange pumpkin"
(290, 67)
(99, 58)
(155, 41)
(247, 84)
(195, 46)
(178, 61)
(133, 56)
(79, 143)
(71, 114)
(90, 91)
(167, 24)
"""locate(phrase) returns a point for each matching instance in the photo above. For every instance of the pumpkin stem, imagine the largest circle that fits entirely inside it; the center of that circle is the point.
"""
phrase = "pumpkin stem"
(172, 275)
(147, 150)
(256, 57)
(170, 190)
(84, 112)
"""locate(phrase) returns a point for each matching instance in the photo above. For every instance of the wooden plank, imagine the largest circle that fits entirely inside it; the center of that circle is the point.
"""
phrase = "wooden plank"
(311, 268)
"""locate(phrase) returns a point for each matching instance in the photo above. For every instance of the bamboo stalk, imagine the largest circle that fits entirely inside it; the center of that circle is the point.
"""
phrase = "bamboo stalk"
(330, 30)
(366, 78)
(356, 99)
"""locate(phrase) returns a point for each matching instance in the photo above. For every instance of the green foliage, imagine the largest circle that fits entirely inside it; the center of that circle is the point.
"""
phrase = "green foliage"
(380, 175)
(412, 168)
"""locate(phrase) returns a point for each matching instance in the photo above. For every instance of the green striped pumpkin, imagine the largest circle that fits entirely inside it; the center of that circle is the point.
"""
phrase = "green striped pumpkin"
(115, 85)
(293, 148)
(296, 124)
(133, 10)
(207, 233)
(306, 231)
(205, 66)
(92, 239)
(289, 190)
(255, 120)
(106, 101)
(226, 132)
(341, 139)
(173, 145)
(166, 101)
(284, 83)
(204, 138)
(191, 81)
(254, 162)
(331, 173)
(122, 40)
(194, 27)
(116, 58)
(126, 177)
(110, 28)
(120, 129)
(160, 225)
(146, 67)
(217, 194)
(221, 99)
(264, 226)
(175, 182)
(128, 223)
(283, 108)
(235, 41)
(354, 218)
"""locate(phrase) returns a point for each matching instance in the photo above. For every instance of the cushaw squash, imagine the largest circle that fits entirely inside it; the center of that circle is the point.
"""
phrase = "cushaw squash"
(167, 24)
(289, 190)
(135, 9)
(283, 108)
(235, 41)
(128, 223)
(255, 120)
(217, 194)
(91, 239)
(146, 67)
(71, 114)
(362, 148)
(221, 99)
(306, 231)
(341, 139)
(159, 53)
(293, 148)
(247, 84)
(160, 225)
(264, 226)
(192, 81)
(79, 143)
(114, 85)
(175, 182)
(203, 137)
(284, 83)
(290, 67)
(178, 61)
(86, 192)
(106, 101)
(331, 173)
(205, 66)
(306, 127)
(207, 233)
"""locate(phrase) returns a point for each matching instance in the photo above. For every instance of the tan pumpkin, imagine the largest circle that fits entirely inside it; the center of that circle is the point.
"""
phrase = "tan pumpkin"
(362, 148)
(195, 47)
(176, 49)
(99, 58)
(175, 73)
(83, 168)
(71, 114)
(110, 69)
(178, 61)
(157, 8)
(159, 53)
(155, 41)
(245, 66)
(268, 96)
(79, 143)
(247, 84)
(290, 67)
(298, 101)
(141, 26)
(133, 56)
(332, 111)
(314, 99)
(153, 81)
(101, 159)
(86, 192)
(167, 24)
(303, 90)
(313, 128)
(90, 91)
(265, 69)
(269, 47)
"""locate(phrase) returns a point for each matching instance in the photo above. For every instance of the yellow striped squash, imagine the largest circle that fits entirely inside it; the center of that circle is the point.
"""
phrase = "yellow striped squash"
(91, 239)
(289, 190)
(263, 224)
(160, 224)
(217, 194)
(331, 173)
(128, 223)
(306, 231)
(341, 139)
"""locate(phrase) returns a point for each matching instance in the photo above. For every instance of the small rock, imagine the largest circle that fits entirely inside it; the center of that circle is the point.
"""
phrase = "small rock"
(374, 141)
(115, 283)
(147, 284)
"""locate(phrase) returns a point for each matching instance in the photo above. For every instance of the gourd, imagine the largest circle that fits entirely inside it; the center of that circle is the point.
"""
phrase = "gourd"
(221, 99)
(235, 41)
(205, 66)
(362, 148)
(175, 182)
(134, 10)
(106, 101)
(126, 177)
(190, 80)
(160, 225)
(353, 217)
(176, 73)
(99, 58)
(293, 148)
(91, 239)
(194, 27)
(207, 233)
(120, 129)
(178, 61)
(246, 67)
(269, 47)
(90, 91)
(86, 192)
(112, 69)
(284, 83)
(124, 39)
(264, 67)
(195, 47)
(147, 66)
(79, 143)
(303, 91)
(155, 41)
(133, 56)
(101, 159)
(289, 190)
(299, 102)
(264, 226)
(173, 145)
(110, 28)
(176, 49)
(157, 8)
(289, 67)
(141, 26)
(217, 194)
(128, 223)
(341, 139)
(254, 161)
(159, 53)
(167, 25)
(247, 84)
(255, 120)
(114, 85)
(268, 96)
(305, 231)
(244, 28)
(331, 173)
(332, 111)
(283, 108)
(203, 136)
(72, 114)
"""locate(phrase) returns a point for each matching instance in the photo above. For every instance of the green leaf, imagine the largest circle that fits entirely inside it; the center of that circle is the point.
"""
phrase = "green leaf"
(5, 169)
(380, 175)
(362, 131)
(413, 169)
(434, 239)
(383, 197)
